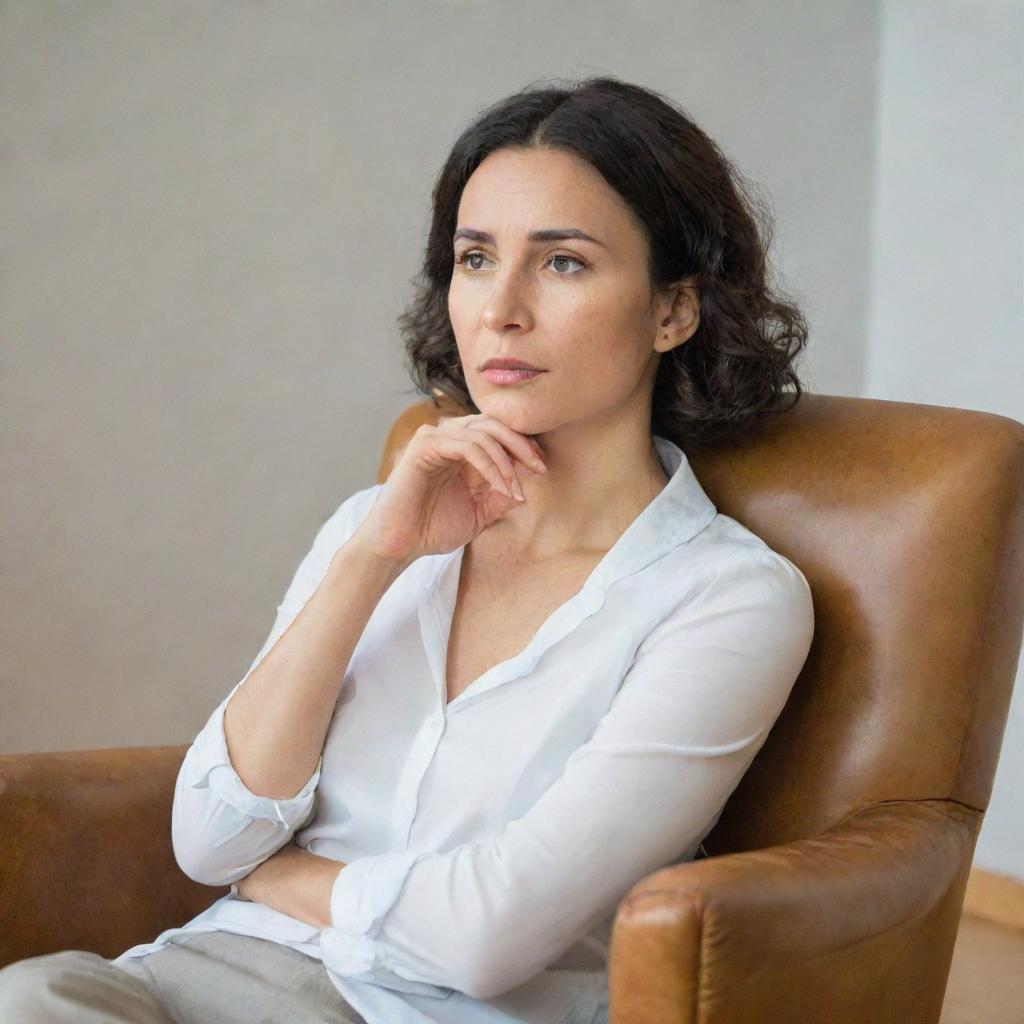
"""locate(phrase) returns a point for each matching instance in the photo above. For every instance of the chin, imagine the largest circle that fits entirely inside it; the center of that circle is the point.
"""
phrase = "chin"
(511, 410)
(516, 407)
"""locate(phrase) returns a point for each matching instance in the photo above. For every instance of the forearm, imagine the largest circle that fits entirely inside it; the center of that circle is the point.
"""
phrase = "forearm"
(295, 882)
(276, 722)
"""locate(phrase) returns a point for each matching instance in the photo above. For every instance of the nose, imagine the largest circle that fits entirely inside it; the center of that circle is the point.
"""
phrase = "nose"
(506, 304)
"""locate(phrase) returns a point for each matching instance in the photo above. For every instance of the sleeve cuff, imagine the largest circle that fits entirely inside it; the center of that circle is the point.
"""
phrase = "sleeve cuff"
(363, 893)
(212, 769)
(366, 889)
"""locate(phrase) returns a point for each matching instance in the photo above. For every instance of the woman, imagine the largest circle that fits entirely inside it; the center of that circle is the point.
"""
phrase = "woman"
(530, 668)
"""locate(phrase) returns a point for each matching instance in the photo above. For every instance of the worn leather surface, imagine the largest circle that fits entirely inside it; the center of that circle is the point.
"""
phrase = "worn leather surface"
(837, 870)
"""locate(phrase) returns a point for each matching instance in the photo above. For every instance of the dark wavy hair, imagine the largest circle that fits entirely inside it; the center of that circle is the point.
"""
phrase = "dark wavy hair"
(701, 219)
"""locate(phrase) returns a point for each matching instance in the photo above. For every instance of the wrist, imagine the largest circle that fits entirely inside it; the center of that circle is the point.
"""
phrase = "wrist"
(357, 558)
(295, 882)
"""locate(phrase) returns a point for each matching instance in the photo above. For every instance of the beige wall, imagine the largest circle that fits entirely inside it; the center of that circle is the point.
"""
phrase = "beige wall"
(211, 217)
(212, 213)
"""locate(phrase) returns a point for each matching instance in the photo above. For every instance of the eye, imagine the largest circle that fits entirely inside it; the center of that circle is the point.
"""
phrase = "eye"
(571, 259)
(471, 254)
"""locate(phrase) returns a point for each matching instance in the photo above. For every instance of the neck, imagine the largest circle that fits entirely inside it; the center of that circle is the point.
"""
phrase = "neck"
(592, 491)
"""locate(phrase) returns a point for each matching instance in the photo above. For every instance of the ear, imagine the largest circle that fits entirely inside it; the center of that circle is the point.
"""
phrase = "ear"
(678, 314)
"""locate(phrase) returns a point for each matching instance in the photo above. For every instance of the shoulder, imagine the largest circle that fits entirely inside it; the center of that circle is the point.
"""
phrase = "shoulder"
(735, 580)
(726, 548)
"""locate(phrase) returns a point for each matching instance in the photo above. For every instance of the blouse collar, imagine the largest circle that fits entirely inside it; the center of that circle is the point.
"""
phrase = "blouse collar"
(678, 512)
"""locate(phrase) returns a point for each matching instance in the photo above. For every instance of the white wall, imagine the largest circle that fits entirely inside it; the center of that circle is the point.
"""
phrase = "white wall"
(947, 275)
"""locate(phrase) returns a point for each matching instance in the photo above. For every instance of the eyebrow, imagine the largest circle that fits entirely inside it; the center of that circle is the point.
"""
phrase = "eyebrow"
(544, 235)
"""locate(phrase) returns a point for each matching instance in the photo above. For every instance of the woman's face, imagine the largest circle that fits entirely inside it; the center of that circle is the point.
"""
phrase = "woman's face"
(581, 310)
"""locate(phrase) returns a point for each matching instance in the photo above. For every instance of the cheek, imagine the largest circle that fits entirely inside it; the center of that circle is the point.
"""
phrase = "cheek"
(459, 317)
(466, 307)
(454, 304)
(608, 334)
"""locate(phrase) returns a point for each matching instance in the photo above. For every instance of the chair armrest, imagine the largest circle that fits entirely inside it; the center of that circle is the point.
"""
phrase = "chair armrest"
(857, 924)
(86, 860)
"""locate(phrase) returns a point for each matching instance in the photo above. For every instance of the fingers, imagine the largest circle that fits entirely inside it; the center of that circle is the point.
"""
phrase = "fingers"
(501, 457)
(525, 447)
(462, 446)
(494, 437)
(528, 451)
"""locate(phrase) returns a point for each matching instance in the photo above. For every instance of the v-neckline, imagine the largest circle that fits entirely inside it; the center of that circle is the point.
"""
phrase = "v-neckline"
(440, 618)
(451, 581)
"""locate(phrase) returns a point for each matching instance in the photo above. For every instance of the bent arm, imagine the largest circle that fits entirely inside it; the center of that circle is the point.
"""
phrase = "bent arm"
(249, 779)
(275, 724)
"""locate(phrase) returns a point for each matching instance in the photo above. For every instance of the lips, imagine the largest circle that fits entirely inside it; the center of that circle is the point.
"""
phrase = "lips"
(514, 376)
(509, 364)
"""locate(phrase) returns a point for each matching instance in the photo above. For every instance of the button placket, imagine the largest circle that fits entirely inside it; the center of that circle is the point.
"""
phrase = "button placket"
(418, 760)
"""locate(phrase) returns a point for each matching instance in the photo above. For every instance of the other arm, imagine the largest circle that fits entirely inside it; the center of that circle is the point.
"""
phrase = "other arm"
(295, 882)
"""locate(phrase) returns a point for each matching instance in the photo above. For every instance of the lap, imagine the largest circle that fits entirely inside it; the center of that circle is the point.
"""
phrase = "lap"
(208, 978)
(76, 986)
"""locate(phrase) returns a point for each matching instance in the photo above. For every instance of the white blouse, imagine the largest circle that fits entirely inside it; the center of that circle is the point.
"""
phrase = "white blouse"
(489, 840)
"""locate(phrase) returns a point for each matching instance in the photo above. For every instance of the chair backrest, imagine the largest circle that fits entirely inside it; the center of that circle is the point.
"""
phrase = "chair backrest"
(908, 522)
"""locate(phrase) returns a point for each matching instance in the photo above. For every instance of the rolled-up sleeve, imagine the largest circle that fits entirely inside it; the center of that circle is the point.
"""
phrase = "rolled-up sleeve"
(696, 705)
(220, 829)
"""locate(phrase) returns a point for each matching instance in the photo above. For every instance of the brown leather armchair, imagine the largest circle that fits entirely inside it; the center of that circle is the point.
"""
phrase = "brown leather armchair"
(835, 878)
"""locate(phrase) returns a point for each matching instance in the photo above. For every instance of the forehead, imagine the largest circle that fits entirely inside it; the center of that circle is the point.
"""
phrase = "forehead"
(516, 190)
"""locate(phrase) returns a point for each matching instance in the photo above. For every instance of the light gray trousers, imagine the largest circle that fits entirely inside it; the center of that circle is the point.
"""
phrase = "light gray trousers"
(208, 978)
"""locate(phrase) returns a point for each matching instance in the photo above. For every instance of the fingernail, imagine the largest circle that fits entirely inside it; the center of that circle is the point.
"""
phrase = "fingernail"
(519, 492)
